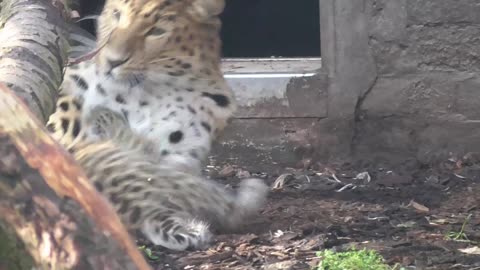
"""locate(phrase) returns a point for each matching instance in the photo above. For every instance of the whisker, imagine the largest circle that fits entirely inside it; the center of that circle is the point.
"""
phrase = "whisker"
(89, 55)
(88, 17)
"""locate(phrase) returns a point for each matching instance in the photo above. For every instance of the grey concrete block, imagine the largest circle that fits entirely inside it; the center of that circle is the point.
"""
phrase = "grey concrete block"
(445, 96)
(441, 12)
(445, 47)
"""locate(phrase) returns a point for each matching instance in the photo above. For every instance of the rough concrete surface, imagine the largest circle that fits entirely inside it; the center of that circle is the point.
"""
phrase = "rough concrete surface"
(425, 101)
(402, 82)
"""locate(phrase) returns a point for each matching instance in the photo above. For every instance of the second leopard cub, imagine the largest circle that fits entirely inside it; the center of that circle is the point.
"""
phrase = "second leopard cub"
(172, 209)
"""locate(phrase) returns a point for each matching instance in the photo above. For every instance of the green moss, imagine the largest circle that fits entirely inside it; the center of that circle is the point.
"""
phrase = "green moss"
(13, 255)
(352, 260)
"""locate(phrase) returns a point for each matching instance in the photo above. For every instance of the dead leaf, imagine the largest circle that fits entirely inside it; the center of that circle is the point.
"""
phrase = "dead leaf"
(471, 250)
(227, 171)
(418, 207)
(407, 224)
(280, 265)
(364, 176)
(243, 174)
(282, 180)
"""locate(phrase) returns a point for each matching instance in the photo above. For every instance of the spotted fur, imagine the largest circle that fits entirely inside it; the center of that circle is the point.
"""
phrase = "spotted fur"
(158, 64)
(173, 209)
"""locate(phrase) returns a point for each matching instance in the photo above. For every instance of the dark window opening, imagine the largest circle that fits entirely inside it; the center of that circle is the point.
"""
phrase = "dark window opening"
(256, 28)
(266, 28)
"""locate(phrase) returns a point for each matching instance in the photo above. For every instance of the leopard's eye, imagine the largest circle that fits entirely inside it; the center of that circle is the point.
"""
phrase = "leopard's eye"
(156, 31)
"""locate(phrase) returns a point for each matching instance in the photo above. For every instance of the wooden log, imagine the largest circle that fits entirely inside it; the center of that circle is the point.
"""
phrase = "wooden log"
(45, 197)
(41, 189)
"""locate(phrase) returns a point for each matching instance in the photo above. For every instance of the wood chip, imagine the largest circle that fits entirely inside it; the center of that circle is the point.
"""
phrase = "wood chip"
(227, 171)
(418, 207)
(282, 180)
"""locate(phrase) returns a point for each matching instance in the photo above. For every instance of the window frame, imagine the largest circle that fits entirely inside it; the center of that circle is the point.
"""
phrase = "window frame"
(255, 80)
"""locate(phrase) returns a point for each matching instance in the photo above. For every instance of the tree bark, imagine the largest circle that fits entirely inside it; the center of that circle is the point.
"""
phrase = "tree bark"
(33, 42)
(44, 196)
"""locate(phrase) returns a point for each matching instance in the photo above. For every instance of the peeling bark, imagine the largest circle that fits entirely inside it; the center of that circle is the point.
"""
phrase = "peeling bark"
(44, 196)
(40, 185)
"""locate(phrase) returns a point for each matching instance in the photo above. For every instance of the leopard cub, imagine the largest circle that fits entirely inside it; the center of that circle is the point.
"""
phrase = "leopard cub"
(173, 209)
(158, 62)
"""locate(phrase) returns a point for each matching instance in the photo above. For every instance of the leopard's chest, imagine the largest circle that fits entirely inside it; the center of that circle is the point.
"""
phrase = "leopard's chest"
(157, 114)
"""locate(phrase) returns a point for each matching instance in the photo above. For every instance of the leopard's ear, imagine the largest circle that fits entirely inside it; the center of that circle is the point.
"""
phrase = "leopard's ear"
(203, 10)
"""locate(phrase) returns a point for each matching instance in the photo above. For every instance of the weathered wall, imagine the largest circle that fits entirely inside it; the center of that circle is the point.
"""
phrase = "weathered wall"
(402, 80)
(426, 100)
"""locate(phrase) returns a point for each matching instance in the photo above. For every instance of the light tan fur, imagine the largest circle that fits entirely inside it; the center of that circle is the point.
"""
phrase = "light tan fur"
(173, 209)
(140, 117)
(158, 63)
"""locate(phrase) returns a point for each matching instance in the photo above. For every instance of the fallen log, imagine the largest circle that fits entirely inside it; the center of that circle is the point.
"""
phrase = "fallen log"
(41, 191)
(45, 197)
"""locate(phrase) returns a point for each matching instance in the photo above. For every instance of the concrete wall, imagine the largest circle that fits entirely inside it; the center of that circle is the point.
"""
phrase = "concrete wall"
(426, 100)
(402, 81)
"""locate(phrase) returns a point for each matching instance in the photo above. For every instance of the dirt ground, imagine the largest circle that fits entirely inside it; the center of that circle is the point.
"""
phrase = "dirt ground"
(406, 212)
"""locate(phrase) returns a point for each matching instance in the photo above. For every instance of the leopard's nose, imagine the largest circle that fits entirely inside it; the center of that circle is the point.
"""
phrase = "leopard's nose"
(112, 63)
(115, 63)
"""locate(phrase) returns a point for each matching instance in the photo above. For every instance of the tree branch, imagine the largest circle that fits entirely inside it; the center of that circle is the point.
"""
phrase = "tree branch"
(33, 46)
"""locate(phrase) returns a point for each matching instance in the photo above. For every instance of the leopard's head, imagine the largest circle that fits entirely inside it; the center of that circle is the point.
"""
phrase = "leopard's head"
(174, 37)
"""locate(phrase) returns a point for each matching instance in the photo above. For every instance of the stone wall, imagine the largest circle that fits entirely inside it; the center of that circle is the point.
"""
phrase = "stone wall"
(402, 80)
(426, 100)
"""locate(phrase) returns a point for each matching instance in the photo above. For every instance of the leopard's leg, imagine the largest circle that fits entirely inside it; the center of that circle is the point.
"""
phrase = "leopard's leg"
(177, 233)
(65, 125)
(102, 123)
